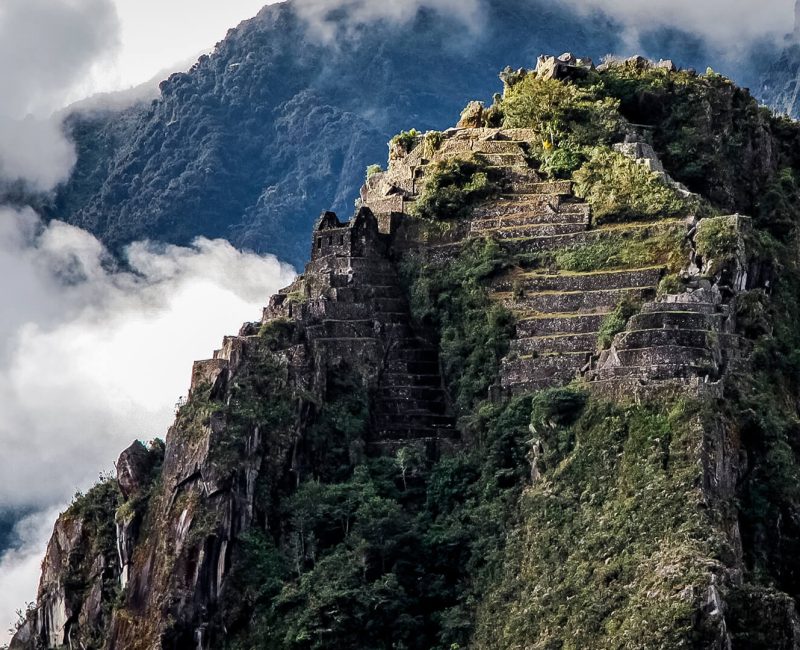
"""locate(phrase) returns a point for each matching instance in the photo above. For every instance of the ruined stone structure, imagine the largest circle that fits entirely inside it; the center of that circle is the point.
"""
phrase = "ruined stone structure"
(686, 337)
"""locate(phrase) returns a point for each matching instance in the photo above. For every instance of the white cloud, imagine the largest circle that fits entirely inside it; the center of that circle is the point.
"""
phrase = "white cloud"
(20, 567)
(728, 25)
(47, 47)
(93, 358)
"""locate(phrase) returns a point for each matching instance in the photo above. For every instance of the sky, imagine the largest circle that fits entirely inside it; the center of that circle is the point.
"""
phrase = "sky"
(91, 357)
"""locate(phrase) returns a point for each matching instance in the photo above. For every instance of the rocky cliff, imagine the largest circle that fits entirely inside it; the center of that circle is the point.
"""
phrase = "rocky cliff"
(537, 392)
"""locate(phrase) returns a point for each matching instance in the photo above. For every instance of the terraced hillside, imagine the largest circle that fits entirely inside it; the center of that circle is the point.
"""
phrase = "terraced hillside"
(559, 301)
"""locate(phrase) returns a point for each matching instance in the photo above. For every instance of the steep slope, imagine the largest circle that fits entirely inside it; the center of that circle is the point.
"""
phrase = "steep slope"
(278, 122)
(536, 393)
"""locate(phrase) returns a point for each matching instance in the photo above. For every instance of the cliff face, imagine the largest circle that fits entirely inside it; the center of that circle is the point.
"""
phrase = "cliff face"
(535, 393)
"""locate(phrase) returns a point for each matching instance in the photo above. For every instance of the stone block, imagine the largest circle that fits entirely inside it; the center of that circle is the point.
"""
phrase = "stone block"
(575, 301)
(577, 324)
(555, 344)
(648, 277)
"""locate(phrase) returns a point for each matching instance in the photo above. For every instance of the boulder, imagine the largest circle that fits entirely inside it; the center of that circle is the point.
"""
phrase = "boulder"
(472, 117)
(133, 469)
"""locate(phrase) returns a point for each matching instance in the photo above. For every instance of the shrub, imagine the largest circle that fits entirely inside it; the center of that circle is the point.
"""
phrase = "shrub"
(620, 189)
(616, 322)
(372, 170)
(671, 284)
(404, 142)
(453, 187)
(567, 117)
(717, 241)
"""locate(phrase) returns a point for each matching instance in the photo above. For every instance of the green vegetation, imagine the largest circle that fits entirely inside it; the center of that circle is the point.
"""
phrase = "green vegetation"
(619, 189)
(718, 241)
(609, 534)
(567, 117)
(474, 333)
(650, 246)
(277, 333)
(404, 142)
(616, 322)
(383, 558)
(372, 170)
(453, 187)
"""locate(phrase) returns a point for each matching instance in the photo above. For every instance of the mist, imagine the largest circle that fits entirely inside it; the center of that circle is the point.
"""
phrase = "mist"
(47, 47)
(727, 26)
(320, 14)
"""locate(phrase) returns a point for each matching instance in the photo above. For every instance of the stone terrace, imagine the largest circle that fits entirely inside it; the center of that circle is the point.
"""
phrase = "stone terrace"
(559, 313)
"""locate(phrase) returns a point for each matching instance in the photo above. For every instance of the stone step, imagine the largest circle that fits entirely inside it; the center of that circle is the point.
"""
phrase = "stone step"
(520, 135)
(390, 421)
(400, 406)
(557, 242)
(559, 368)
(534, 230)
(537, 282)
(421, 353)
(345, 266)
(706, 308)
(555, 344)
(404, 431)
(358, 328)
(366, 293)
(508, 147)
(388, 311)
(405, 379)
(515, 204)
(415, 367)
(529, 218)
(421, 393)
(666, 355)
(560, 324)
(664, 337)
(660, 372)
(388, 443)
(573, 301)
(535, 386)
(676, 320)
(506, 159)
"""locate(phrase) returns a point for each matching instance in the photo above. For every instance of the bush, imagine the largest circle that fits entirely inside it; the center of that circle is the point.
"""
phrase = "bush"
(620, 189)
(616, 322)
(372, 170)
(404, 142)
(453, 187)
(717, 241)
(474, 333)
(567, 118)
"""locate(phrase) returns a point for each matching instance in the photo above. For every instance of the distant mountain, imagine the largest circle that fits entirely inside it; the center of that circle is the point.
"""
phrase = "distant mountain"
(275, 123)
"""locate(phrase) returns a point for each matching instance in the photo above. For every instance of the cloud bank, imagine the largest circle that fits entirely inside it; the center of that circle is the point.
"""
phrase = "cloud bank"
(91, 358)
(726, 25)
(47, 47)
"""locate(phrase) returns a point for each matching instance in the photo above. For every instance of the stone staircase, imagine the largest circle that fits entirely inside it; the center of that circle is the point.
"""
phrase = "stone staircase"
(354, 309)
(683, 336)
